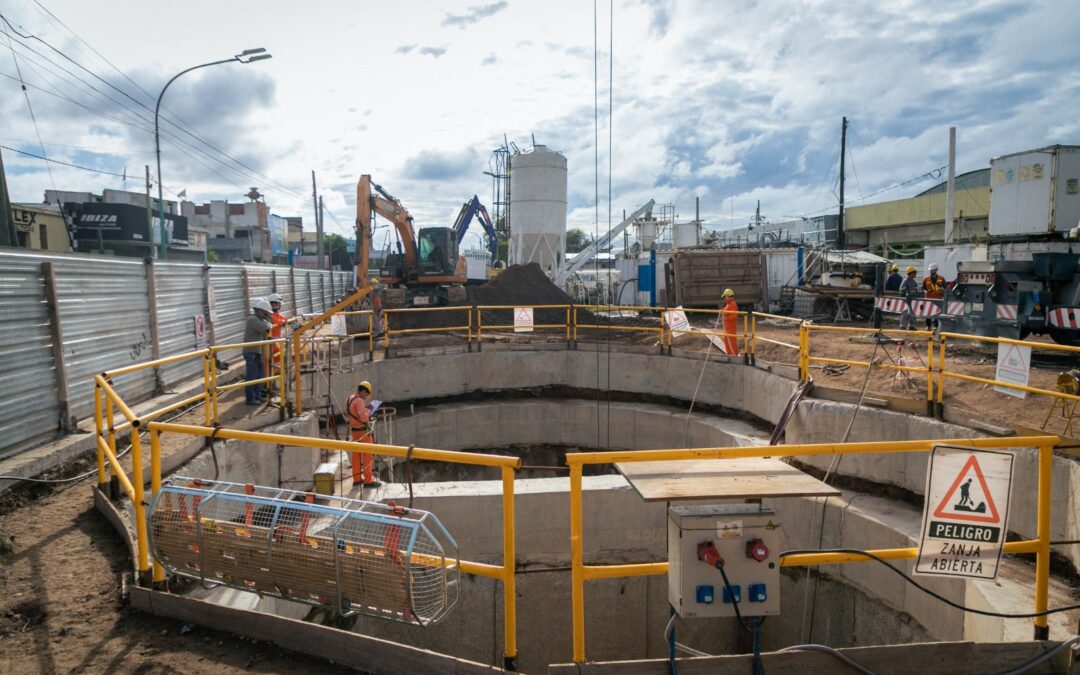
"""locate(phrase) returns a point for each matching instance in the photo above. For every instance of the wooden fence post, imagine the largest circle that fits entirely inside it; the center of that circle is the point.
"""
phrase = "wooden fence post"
(56, 333)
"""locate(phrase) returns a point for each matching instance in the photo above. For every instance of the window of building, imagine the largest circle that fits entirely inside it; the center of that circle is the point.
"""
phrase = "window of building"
(44, 237)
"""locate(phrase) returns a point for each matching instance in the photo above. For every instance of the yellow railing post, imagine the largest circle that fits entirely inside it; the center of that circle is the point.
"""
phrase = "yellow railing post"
(577, 571)
(745, 339)
(941, 372)
(1042, 558)
(155, 487)
(100, 427)
(213, 389)
(509, 571)
(208, 413)
(140, 506)
(568, 323)
(804, 352)
(930, 375)
(110, 423)
(298, 383)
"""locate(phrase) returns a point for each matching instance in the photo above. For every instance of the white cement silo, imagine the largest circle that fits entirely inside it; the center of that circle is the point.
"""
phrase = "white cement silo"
(538, 208)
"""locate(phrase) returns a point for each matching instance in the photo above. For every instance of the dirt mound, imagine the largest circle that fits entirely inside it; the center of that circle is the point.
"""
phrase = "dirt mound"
(517, 285)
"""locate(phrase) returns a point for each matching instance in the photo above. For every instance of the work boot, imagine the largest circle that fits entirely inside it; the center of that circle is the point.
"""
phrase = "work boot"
(372, 485)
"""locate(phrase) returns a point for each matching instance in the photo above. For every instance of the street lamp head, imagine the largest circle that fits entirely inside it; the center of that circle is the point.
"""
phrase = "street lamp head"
(260, 57)
(249, 52)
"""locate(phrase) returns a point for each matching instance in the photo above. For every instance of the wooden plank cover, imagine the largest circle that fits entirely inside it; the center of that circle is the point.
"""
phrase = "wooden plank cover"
(721, 479)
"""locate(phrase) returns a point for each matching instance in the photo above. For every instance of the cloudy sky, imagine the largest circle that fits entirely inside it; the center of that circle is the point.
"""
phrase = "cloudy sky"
(730, 101)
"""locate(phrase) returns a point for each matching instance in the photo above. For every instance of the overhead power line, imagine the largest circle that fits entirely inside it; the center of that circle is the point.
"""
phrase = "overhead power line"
(56, 161)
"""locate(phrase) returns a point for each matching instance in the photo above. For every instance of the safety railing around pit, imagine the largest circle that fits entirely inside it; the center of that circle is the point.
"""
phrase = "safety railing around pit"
(806, 330)
(728, 331)
(526, 323)
(443, 315)
(777, 319)
(1020, 365)
(107, 401)
(154, 572)
(580, 572)
(613, 314)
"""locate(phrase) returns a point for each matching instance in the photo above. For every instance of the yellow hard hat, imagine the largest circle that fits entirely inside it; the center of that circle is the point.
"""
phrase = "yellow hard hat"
(729, 293)
(364, 385)
(894, 268)
(911, 270)
(374, 280)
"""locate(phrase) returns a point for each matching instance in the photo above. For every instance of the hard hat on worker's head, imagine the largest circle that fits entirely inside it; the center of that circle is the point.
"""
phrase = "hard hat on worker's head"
(374, 280)
(261, 303)
(274, 297)
(728, 293)
(911, 270)
(933, 267)
(894, 268)
(365, 385)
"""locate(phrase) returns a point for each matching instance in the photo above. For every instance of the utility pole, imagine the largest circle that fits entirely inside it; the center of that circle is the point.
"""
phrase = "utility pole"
(7, 225)
(318, 221)
(840, 221)
(950, 187)
(150, 215)
(330, 253)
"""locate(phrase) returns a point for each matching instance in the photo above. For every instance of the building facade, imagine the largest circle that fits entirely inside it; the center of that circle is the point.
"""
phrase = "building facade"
(41, 227)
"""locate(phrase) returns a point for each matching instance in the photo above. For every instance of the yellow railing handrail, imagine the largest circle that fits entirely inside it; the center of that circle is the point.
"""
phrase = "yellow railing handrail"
(244, 345)
(115, 399)
(580, 572)
(155, 363)
(485, 307)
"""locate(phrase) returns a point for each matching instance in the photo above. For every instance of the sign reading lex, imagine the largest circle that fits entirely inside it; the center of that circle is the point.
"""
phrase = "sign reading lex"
(965, 513)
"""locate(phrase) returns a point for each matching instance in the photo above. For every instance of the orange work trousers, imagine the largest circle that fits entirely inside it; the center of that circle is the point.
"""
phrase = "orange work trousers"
(731, 342)
(363, 463)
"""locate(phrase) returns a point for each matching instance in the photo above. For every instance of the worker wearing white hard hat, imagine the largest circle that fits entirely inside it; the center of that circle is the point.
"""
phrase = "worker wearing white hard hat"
(255, 329)
(278, 322)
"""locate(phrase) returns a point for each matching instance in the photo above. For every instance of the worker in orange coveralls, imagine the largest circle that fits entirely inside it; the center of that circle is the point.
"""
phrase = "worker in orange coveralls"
(358, 411)
(731, 323)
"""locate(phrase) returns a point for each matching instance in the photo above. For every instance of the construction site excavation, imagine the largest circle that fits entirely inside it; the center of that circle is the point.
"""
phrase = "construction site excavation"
(559, 428)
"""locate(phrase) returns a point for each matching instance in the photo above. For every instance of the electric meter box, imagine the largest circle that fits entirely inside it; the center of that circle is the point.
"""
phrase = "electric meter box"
(746, 537)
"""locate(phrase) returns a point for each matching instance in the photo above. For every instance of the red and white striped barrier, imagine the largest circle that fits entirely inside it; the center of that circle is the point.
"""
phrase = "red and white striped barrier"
(1007, 312)
(1065, 317)
(921, 308)
(955, 308)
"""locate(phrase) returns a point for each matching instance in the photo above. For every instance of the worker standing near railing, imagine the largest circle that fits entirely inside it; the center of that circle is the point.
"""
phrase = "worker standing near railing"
(359, 410)
(279, 322)
(933, 289)
(908, 289)
(255, 328)
(731, 323)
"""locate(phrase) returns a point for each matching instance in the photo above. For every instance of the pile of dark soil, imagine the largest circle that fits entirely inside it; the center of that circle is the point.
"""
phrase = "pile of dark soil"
(517, 285)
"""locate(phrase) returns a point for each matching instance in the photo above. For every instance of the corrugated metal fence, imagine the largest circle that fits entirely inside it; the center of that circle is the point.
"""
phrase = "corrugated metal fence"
(88, 314)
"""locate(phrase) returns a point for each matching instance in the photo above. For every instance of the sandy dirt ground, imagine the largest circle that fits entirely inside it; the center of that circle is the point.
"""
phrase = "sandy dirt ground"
(61, 607)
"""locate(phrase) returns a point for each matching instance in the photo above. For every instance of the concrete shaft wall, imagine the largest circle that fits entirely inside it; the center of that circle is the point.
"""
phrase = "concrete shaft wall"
(756, 392)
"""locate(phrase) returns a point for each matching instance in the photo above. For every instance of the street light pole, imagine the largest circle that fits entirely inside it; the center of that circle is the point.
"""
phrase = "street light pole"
(246, 56)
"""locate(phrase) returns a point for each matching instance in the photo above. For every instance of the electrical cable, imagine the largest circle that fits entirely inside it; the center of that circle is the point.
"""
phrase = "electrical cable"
(828, 650)
(29, 106)
(56, 161)
(1023, 668)
(933, 594)
(669, 632)
(611, 151)
(596, 187)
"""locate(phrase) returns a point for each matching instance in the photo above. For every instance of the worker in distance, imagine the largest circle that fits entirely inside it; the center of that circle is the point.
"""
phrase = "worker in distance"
(730, 310)
(255, 328)
(359, 409)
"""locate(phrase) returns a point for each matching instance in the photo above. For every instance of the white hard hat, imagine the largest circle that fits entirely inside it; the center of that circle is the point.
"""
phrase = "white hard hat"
(933, 267)
(274, 297)
(261, 303)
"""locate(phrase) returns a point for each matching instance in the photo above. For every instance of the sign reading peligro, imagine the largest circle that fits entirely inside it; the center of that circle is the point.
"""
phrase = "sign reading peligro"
(966, 512)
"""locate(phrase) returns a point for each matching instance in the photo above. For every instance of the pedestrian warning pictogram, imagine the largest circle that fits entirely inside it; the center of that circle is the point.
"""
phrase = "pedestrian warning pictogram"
(977, 507)
(523, 319)
(965, 512)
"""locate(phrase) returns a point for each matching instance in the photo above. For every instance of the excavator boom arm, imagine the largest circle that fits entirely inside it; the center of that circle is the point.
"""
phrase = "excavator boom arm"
(387, 206)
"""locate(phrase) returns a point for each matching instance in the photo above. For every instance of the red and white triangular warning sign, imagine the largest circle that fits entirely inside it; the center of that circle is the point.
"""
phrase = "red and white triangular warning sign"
(975, 503)
(523, 319)
(964, 518)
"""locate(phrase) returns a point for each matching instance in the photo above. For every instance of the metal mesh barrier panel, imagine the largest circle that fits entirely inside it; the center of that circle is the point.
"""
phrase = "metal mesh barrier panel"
(351, 556)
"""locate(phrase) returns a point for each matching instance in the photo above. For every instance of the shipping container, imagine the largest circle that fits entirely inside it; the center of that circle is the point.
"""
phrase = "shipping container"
(1035, 192)
(700, 277)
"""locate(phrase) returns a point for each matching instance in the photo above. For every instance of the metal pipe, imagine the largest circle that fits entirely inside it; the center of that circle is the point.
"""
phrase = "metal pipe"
(1010, 385)
(138, 502)
(246, 383)
(208, 412)
(1042, 557)
(592, 572)
(100, 428)
(577, 571)
(118, 471)
(113, 397)
(163, 411)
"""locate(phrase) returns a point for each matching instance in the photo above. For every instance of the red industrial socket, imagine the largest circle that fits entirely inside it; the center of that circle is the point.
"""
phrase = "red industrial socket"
(757, 550)
(706, 551)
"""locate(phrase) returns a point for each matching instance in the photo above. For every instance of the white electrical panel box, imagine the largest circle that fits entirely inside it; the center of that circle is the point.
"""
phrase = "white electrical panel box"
(746, 537)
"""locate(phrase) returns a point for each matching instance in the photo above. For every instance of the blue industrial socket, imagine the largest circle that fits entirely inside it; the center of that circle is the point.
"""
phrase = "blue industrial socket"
(735, 591)
(757, 592)
(706, 595)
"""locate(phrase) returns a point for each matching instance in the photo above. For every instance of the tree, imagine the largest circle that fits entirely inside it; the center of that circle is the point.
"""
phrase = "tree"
(334, 249)
(577, 240)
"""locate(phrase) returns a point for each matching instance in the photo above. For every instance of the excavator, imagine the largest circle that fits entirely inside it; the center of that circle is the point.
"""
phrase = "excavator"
(426, 270)
(474, 209)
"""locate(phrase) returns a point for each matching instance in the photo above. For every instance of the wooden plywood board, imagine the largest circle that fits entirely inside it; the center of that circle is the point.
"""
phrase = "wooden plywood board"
(721, 479)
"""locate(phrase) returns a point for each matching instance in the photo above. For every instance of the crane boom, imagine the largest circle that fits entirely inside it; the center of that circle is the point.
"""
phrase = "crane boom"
(474, 209)
(590, 252)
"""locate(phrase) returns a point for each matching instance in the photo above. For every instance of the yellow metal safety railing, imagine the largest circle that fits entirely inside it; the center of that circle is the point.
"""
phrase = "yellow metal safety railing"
(388, 330)
(661, 329)
(580, 572)
(507, 466)
(480, 309)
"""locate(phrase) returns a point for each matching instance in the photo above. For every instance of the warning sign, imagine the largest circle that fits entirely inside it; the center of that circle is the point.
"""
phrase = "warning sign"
(523, 319)
(965, 514)
(1013, 366)
(200, 330)
(337, 325)
(677, 322)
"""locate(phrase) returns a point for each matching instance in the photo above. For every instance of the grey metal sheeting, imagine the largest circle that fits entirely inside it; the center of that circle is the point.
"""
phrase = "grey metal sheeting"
(105, 314)
(180, 297)
(31, 407)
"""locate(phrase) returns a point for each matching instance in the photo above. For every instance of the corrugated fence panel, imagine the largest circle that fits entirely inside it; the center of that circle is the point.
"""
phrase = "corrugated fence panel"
(229, 303)
(304, 296)
(259, 281)
(180, 297)
(30, 405)
(106, 319)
